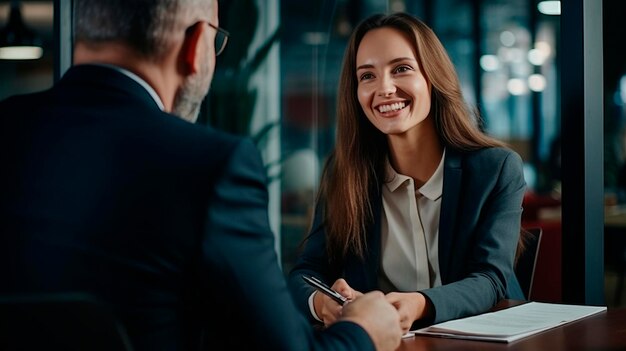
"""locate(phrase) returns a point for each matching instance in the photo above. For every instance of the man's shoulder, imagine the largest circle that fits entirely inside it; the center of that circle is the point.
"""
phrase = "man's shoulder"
(204, 134)
(206, 142)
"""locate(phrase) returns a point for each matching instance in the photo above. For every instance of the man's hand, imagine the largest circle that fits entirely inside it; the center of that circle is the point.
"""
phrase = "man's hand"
(378, 317)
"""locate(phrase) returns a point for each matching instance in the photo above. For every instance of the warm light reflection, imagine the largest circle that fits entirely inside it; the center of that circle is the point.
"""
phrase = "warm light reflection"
(536, 57)
(489, 63)
(544, 47)
(536, 82)
(517, 86)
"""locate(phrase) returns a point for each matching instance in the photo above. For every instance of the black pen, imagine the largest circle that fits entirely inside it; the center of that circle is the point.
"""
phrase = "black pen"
(325, 289)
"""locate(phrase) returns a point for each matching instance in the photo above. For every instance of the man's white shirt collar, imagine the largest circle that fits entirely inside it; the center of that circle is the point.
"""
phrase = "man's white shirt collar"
(137, 79)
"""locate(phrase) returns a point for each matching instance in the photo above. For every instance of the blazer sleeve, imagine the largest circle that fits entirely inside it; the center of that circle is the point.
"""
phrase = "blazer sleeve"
(241, 269)
(484, 252)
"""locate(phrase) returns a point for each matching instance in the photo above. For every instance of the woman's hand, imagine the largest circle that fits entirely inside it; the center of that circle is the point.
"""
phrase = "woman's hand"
(328, 309)
(410, 305)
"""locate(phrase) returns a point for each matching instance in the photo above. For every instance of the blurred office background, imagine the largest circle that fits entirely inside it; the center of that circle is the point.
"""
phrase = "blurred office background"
(277, 82)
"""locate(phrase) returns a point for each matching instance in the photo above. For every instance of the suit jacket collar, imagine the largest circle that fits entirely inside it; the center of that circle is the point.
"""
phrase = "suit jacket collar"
(103, 78)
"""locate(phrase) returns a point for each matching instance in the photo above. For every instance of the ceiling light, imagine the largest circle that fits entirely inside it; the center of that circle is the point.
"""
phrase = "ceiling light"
(549, 7)
(17, 41)
(537, 82)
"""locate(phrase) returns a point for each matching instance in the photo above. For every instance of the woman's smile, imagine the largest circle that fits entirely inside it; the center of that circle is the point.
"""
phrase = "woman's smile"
(392, 107)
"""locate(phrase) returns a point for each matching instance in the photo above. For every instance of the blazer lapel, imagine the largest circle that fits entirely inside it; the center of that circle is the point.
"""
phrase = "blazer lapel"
(374, 242)
(363, 275)
(449, 203)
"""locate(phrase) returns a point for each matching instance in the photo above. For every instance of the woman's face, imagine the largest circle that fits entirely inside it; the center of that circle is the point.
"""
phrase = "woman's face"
(392, 91)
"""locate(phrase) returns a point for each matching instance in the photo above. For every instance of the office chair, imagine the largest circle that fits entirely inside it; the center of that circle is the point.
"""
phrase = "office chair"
(526, 258)
(68, 322)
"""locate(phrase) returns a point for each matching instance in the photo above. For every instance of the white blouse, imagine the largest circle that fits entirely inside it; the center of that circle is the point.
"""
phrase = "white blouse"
(410, 232)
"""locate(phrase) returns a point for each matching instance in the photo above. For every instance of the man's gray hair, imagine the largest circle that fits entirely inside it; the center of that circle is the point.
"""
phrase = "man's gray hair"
(147, 26)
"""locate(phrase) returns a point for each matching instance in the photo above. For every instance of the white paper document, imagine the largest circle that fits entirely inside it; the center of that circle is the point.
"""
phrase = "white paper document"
(511, 324)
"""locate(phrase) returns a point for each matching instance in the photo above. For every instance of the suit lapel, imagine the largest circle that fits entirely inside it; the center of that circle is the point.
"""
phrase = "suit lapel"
(452, 176)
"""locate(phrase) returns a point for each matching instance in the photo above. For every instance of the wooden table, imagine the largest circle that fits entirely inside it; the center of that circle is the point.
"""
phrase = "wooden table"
(605, 331)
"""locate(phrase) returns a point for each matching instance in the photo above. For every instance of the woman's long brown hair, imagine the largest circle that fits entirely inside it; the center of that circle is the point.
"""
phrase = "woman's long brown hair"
(356, 167)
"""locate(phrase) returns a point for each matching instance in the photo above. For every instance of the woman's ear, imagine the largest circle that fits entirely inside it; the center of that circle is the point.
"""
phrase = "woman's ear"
(190, 50)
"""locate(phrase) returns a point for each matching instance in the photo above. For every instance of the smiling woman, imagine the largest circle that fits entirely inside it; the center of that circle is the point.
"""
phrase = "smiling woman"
(392, 90)
(415, 199)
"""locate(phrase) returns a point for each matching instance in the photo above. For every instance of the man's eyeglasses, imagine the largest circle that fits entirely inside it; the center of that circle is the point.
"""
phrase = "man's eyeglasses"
(221, 38)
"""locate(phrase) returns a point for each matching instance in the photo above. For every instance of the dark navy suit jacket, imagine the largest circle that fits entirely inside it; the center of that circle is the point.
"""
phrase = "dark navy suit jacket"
(479, 228)
(165, 221)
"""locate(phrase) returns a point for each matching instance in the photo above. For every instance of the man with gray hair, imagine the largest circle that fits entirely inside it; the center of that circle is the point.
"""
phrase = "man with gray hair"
(106, 191)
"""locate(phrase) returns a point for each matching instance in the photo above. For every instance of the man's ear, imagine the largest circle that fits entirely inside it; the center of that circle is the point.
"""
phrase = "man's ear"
(190, 50)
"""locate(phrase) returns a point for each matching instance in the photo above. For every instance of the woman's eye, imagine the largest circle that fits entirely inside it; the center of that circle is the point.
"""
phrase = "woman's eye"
(402, 69)
(366, 76)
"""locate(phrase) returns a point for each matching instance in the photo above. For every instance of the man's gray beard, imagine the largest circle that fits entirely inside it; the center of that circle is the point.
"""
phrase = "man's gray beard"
(186, 106)
(189, 98)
